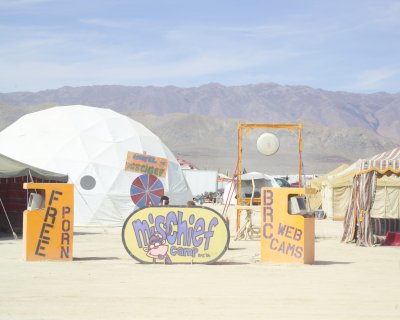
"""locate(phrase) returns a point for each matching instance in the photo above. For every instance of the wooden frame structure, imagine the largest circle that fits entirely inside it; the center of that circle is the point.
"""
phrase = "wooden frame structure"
(244, 128)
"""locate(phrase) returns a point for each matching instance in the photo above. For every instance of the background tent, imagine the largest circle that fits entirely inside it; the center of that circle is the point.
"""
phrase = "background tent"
(91, 145)
(186, 165)
(361, 220)
(13, 174)
(201, 181)
(337, 189)
(315, 200)
(261, 180)
(222, 181)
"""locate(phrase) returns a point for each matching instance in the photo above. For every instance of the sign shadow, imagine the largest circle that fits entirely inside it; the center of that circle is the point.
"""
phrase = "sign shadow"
(228, 263)
(327, 263)
(95, 258)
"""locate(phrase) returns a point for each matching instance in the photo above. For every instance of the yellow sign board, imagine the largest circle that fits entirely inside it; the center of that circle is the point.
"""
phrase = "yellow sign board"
(285, 237)
(144, 163)
(171, 235)
(48, 232)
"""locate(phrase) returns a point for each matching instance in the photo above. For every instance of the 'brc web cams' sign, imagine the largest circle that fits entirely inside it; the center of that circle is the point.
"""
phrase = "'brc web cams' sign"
(170, 235)
(284, 237)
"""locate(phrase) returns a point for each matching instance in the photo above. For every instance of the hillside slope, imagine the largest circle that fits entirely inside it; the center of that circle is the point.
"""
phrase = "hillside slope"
(271, 103)
(200, 124)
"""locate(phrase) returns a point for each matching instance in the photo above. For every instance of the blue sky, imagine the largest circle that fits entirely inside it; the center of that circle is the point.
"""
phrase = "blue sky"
(346, 45)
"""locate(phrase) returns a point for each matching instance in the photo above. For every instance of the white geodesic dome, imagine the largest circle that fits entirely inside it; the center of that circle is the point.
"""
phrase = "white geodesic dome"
(91, 146)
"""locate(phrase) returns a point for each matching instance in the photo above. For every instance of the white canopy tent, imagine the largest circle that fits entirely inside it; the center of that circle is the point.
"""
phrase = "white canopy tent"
(258, 179)
(91, 146)
(201, 181)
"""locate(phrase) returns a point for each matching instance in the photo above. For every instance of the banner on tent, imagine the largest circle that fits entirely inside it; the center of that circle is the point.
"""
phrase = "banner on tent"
(144, 163)
(168, 235)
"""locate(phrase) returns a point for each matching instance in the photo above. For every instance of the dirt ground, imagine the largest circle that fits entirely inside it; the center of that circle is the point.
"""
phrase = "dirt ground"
(104, 282)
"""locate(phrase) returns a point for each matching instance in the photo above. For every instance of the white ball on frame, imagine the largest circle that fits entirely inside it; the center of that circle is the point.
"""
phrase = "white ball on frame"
(268, 144)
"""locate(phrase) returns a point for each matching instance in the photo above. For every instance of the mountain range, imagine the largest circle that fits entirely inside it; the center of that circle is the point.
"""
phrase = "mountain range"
(200, 124)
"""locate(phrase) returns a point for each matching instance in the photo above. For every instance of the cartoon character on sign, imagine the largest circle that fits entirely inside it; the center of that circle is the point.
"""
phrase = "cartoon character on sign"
(157, 249)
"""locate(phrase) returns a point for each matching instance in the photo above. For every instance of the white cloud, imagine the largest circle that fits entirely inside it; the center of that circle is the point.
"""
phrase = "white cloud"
(89, 47)
(141, 68)
(373, 79)
(384, 14)
(108, 23)
(36, 55)
(270, 31)
(230, 33)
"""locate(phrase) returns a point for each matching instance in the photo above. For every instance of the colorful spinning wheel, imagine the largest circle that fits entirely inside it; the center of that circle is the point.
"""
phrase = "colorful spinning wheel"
(146, 190)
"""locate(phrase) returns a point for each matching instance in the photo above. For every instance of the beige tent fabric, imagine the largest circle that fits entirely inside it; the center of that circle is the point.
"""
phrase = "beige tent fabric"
(386, 204)
(336, 192)
(315, 200)
(345, 177)
(340, 198)
(337, 196)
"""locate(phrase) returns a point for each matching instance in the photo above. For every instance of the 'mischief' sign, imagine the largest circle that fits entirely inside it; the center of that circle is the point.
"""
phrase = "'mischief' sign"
(170, 235)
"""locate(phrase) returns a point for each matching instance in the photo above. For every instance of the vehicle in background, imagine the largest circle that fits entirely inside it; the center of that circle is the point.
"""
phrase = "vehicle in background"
(296, 185)
(283, 183)
(251, 184)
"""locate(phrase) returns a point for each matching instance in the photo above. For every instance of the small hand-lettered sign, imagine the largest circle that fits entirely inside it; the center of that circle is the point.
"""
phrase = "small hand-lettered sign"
(168, 235)
(48, 232)
(144, 163)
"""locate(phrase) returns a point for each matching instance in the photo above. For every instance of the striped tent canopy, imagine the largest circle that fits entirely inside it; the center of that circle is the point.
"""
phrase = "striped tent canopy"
(386, 162)
(357, 223)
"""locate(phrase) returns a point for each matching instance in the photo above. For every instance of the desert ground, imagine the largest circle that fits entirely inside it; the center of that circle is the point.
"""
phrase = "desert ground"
(104, 282)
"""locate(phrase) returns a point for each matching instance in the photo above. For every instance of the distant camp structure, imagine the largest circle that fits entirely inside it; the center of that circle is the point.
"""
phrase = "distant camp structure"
(186, 164)
(365, 194)
(252, 182)
(201, 182)
(320, 185)
(335, 191)
(374, 210)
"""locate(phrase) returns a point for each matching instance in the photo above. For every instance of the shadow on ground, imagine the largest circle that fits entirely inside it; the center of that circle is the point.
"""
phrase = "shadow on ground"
(327, 263)
(228, 263)
(95, 258)
(85, 233)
